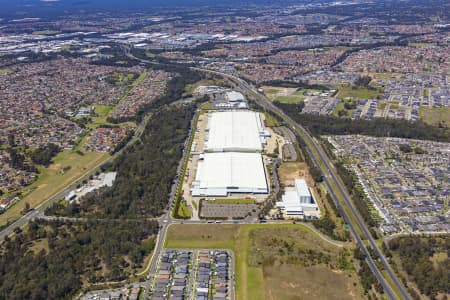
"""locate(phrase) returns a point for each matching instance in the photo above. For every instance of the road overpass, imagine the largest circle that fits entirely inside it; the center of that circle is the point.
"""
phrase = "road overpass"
(393, 288)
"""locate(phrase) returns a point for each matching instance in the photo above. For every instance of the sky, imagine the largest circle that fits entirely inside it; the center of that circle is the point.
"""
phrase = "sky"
(42, 6)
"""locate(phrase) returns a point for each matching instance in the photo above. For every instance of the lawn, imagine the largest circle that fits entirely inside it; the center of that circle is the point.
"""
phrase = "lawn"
(206, 106)
(435, 115)
(268, 257)
(358, 92)
(53, 179)
(183, 211)
(233, 201)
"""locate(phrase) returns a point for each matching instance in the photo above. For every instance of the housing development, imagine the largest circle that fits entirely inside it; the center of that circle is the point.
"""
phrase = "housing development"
(406, 180)
(233, 150)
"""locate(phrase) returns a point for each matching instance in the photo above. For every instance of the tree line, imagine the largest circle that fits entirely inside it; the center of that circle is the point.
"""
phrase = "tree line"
(379, 127)
(53, 259)
(145, 171)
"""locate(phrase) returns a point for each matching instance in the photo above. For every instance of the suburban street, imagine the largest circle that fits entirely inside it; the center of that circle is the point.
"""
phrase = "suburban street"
(331, 179)
(39, 210)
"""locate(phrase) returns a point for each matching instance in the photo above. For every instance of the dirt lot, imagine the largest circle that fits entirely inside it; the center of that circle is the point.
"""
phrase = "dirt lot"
(315, 282)
(289, 171)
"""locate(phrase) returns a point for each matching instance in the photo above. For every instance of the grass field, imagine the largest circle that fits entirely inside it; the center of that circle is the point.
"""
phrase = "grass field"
(268, 257)
(102, 112)
(53, 179)
(435, 115)
(190, 88)
(46, 32)
(283, 95)
(358, 92)
(120, 78)
(290, 99)
(4, 71)
(271, 121)
(340, 109)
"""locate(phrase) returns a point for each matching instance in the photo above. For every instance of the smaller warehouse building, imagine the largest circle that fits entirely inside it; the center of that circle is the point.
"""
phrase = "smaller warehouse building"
(298, 201)
(224, 173)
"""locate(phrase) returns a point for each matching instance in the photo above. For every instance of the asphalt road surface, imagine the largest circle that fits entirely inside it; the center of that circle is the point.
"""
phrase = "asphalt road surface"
(331, 180)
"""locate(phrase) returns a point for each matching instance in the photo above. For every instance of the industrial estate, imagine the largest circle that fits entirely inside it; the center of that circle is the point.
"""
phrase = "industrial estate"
(241, 150)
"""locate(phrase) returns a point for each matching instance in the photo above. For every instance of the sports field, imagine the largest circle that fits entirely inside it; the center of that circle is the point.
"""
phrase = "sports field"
(282, 261)
(283, 94)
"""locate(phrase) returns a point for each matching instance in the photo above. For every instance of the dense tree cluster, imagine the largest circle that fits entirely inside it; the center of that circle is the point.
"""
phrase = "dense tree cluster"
(363, 80)
(53, 259)
(145, 171)
(18, 161)
(357, 193)
(416, 256)
(44, 154)
(323, 125)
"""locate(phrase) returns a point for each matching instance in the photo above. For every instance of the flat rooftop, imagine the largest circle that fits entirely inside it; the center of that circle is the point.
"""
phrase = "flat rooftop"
(240, 131)
(221, 173)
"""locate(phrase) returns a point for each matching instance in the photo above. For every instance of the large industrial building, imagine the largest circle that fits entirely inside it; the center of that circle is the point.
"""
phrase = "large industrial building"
(220, 174)
(298, 201)
(238, 131)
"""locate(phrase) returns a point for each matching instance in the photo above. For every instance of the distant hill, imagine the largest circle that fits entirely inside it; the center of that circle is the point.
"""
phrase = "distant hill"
(47, 8)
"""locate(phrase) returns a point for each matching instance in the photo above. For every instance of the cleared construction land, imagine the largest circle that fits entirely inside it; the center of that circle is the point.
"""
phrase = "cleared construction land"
(282, 261)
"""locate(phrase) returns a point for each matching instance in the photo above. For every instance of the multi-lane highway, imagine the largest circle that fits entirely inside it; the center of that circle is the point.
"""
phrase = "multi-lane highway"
(393, 288)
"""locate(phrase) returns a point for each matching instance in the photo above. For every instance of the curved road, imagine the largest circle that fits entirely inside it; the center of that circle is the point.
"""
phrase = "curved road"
(331, 180)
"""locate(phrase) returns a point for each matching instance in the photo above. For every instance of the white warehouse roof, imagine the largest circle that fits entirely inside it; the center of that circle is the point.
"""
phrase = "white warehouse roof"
(235, 131)
(231, 172)
(234, 96)
(298, 200)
